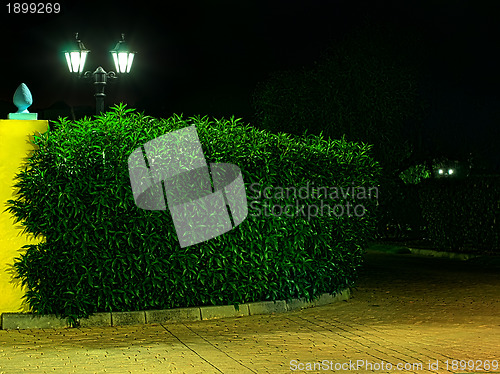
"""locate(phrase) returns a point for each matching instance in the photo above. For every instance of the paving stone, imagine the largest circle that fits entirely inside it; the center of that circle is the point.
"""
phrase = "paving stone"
(173, 315)
(128, 318)
(96, 320)
(405, 310)
(31, 321)
(223, 311)
(267, 307)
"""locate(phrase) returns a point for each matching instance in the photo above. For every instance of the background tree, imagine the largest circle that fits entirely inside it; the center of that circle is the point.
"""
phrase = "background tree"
(366, 86)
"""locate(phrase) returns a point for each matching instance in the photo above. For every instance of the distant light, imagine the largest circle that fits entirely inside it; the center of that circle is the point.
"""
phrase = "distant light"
(450, 171)
(441, 171)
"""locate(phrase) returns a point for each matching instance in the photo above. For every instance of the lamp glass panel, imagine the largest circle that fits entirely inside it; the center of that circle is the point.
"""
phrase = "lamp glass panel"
(75, 61)
(122, 59)
(130, 60)
(83, 57)
(68, 61)
(115, 59)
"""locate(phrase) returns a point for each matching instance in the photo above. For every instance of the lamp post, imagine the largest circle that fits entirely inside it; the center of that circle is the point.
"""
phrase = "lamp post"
(122, 57)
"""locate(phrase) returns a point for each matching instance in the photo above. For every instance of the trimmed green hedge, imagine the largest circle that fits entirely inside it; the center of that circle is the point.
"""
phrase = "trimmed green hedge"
(103, 253)
(462, 214)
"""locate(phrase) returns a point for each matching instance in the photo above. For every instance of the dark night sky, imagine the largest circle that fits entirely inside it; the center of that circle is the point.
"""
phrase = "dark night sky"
(193, 56)
(207, 56)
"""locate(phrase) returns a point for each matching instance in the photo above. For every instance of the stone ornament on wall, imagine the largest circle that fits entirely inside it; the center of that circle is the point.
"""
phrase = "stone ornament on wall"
(23, 100)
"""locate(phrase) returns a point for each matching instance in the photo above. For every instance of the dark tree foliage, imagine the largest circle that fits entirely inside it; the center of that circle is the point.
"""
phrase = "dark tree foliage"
(366, 87)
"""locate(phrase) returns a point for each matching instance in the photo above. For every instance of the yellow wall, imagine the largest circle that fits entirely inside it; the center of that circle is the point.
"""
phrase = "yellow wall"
(15, 148)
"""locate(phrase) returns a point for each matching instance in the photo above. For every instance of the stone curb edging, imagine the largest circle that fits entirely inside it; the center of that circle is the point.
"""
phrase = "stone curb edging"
(489, 260)
(30, 321)
(451, 255)
(404, 249)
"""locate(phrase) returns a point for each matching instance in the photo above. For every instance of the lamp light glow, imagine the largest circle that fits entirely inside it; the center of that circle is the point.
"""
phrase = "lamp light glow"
(122, 56)
(76, 57)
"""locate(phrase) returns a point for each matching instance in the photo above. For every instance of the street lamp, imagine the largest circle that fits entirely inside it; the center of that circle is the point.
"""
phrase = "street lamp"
(122, 57)
(76, 57)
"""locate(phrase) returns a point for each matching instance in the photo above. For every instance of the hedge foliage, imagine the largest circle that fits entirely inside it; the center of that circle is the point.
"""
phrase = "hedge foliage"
(102, 253)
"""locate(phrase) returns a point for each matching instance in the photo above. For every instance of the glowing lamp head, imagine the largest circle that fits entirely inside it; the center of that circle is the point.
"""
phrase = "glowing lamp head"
(76, 56)
(122, 56)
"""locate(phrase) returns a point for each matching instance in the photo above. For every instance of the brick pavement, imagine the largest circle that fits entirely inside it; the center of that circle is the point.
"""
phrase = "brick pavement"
(406, 310)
